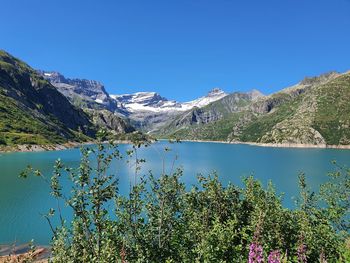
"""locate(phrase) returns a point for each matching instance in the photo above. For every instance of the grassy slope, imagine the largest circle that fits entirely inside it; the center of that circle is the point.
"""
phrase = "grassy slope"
(219, 129)
(332, 117)
(325, 109)
(264, 123)
(20, 127)
(23, 119)
(216, 131)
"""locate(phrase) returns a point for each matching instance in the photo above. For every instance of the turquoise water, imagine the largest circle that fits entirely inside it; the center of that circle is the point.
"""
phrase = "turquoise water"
(23, 200)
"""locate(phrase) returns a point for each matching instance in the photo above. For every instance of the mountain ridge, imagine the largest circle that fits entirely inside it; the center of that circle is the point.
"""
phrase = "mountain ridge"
(81, 92)
(154, 102)
(144, 110)
(315, 111)
(292, 115)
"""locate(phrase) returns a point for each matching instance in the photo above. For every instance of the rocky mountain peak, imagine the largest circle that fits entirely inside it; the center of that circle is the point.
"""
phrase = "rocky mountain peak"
(53, 76)
(319, 79)
(56, 77)
(153, 102)
(148, 98)
(215, 92)
(255, 94)
(144, 101)
(91, 92)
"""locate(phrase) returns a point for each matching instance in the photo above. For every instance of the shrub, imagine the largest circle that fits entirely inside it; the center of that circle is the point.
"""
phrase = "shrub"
(160, 221)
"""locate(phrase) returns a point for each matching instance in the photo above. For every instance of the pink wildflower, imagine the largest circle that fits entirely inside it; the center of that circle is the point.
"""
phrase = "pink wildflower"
(274, 257)
(255, 253)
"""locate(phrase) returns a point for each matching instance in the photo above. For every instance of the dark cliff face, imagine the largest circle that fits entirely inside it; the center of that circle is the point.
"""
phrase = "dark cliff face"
(81, 92)
(115, 124)
(82, 86)
(268, 104)
(37, 97)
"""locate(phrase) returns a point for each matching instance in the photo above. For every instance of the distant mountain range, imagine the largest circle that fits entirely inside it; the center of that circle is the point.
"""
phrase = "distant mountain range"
(147, 111)
(38, 107)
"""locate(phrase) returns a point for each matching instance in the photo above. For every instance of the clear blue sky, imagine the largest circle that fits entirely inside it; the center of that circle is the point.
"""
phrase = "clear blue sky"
(180, 48)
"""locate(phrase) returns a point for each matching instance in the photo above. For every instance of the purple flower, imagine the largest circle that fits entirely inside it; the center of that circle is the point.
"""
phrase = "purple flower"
(274, 257)
(302, 254)
(255, 253)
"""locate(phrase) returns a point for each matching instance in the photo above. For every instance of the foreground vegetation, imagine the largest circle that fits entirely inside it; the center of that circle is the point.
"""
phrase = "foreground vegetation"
(163, 221)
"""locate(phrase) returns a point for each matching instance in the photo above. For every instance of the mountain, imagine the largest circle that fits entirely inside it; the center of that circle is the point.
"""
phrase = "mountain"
(110, 121)
(81, 92)
(314, 111)
(144, 110)
(187, 124)
(148, 110)
(41, 107)
(144, 101)
(153, 102)
(32, 111)
(91, 96)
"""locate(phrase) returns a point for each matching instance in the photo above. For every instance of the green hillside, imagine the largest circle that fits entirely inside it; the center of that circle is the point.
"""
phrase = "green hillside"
(32, 111)
(332, 118)
(212, 122)
(315, 111)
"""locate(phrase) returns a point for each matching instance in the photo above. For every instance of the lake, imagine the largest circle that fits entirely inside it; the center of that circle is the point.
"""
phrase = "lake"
(22, 201)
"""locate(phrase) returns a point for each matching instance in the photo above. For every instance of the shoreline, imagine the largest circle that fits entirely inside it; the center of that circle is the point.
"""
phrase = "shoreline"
(24, 252)
(70, 145)
(49, 147)
(275, 145)
(40, 148)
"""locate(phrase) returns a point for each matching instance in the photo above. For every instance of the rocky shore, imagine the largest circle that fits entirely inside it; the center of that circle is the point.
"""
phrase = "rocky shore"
(38, 148)
(23, 253)
(278, 145)
(50, 147)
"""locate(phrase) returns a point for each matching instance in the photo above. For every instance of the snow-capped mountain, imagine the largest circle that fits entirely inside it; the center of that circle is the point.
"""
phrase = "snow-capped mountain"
(144, 101)
(213, 95)
(153, 102)
(146, 110)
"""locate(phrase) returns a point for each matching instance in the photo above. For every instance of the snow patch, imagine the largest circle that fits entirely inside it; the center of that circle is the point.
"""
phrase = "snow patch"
(153, 102)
